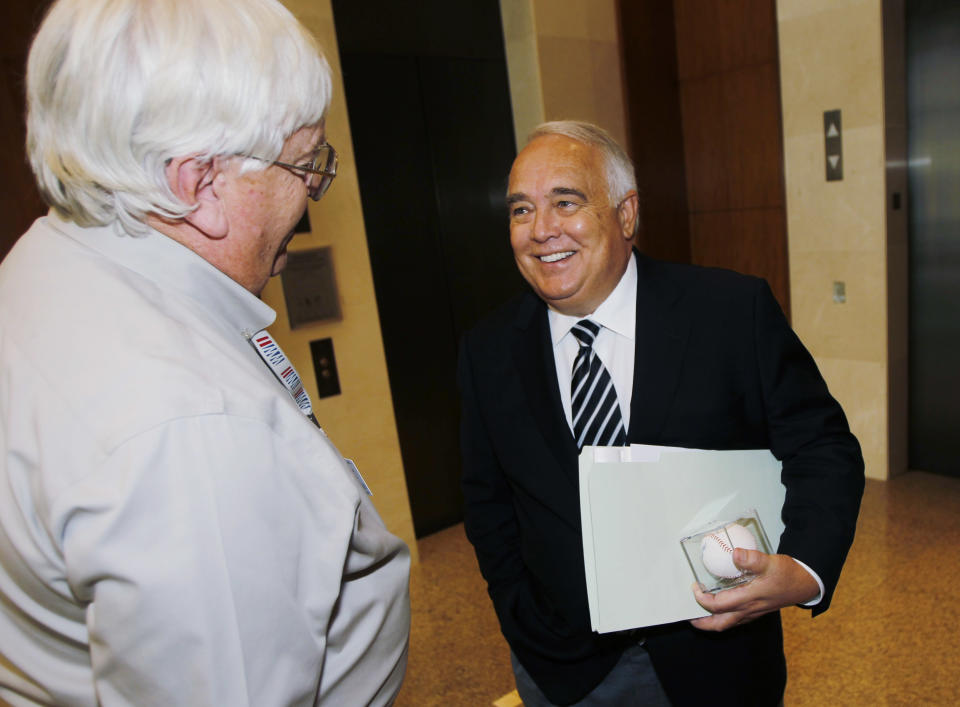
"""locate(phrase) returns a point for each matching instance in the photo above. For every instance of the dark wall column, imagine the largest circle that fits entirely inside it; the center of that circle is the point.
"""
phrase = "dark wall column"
(703, 95)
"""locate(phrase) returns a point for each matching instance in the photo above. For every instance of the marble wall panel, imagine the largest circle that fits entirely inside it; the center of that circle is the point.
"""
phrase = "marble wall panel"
(846, 215)
(840, 330)
(831, 58)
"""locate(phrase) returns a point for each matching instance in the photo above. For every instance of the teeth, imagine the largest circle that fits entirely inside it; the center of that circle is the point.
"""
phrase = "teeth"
(554, 257)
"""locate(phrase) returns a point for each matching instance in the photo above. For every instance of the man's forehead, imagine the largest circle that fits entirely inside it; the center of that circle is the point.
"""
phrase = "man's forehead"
(556, 164)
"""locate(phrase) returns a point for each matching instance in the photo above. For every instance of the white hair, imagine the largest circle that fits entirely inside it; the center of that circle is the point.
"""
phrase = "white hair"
(618, 168)
(117, 88)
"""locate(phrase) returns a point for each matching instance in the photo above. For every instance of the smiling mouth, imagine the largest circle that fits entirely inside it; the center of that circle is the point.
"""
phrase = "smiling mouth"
(554, 257)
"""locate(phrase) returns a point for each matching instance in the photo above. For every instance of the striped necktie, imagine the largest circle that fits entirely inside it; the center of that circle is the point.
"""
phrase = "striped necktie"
(596, 411)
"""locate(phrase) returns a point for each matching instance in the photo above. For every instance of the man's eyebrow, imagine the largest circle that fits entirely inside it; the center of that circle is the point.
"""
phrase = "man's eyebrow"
(556, 191)
(568, 191)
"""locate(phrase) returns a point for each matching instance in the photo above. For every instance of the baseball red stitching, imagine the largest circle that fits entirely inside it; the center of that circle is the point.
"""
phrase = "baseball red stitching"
(723, 545)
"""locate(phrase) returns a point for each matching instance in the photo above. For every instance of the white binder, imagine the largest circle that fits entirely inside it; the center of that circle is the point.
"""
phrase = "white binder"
(637, 502)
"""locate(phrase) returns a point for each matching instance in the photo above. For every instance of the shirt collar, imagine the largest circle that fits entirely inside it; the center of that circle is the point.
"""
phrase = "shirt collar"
(174, 267)
(618, 312)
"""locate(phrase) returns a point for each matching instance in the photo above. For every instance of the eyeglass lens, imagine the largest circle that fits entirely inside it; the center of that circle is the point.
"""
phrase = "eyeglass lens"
(323, 170)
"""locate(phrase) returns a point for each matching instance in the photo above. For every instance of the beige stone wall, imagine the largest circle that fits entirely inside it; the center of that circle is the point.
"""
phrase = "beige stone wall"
(360, 420)
(831, 56)
(563, 59)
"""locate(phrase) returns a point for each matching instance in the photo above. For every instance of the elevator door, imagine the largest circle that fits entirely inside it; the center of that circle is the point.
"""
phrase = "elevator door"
(933, 105)
(426, 88)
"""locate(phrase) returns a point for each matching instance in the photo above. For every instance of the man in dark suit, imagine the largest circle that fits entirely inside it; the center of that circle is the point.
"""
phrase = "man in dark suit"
(668, 354)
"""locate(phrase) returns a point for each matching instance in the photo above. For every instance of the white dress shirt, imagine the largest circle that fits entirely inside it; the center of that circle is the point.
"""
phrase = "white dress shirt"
(173, 530)
(615, 345)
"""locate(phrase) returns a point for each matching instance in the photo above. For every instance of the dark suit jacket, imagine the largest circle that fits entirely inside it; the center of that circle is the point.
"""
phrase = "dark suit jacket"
(717, 367)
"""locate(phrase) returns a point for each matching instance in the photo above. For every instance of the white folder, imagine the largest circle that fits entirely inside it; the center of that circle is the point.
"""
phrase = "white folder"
(637, 502)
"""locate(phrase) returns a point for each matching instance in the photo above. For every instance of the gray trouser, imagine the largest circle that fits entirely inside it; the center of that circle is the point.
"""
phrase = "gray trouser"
(631, 683)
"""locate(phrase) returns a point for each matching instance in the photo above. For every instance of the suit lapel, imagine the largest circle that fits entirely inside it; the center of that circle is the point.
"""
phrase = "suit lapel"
(533, 355)
(661, 338)
(662, 330)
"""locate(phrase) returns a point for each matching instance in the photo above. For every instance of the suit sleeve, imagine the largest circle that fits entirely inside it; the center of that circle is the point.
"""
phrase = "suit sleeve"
(489, 516)
(822, 462)
(537, 632)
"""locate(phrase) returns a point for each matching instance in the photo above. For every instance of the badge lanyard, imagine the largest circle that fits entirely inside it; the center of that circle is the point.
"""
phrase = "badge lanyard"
(273, 356)
(277, 361)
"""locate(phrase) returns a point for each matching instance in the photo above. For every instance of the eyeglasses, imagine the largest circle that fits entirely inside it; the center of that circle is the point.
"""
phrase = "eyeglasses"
(318, 172)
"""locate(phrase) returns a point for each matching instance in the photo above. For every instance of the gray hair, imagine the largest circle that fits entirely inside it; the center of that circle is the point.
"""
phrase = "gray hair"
(618, 168)
(117, 88)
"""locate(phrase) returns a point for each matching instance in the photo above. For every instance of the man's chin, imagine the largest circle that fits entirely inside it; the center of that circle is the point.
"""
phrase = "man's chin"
(558, 300)
(553, 289)
(572, 301)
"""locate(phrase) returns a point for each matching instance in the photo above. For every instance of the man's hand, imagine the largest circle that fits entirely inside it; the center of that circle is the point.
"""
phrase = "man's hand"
(780, 581)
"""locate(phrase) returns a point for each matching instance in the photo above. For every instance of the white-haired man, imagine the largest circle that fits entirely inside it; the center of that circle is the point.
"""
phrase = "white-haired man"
(174, 527)
(612, 348)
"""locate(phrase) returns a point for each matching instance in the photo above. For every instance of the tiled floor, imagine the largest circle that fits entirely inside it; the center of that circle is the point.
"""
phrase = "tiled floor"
(890, 637)
(892, 634)
(457, 654)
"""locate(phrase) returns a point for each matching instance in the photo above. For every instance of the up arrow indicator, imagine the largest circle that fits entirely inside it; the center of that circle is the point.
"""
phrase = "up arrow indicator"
(833, 144)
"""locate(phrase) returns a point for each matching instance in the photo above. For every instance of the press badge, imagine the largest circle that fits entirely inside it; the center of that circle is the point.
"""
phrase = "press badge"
(277, 361)
(356, 472)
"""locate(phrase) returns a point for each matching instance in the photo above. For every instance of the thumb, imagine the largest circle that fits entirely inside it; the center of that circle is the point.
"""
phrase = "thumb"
(749, 560)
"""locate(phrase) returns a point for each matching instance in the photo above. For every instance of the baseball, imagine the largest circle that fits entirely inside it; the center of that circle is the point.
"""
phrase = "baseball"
(716, 549)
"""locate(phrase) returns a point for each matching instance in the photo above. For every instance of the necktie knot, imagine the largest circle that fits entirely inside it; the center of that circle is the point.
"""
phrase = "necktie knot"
(586, 332)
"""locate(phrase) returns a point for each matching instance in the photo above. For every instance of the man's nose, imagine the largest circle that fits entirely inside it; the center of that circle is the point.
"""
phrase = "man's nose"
(545, 225)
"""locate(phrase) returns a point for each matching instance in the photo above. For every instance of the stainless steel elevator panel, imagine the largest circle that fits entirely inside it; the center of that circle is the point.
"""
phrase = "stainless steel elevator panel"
(933, 106)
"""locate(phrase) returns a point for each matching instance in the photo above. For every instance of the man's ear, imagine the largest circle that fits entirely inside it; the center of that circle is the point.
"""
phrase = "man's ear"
(628, 212)
(198, 183)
